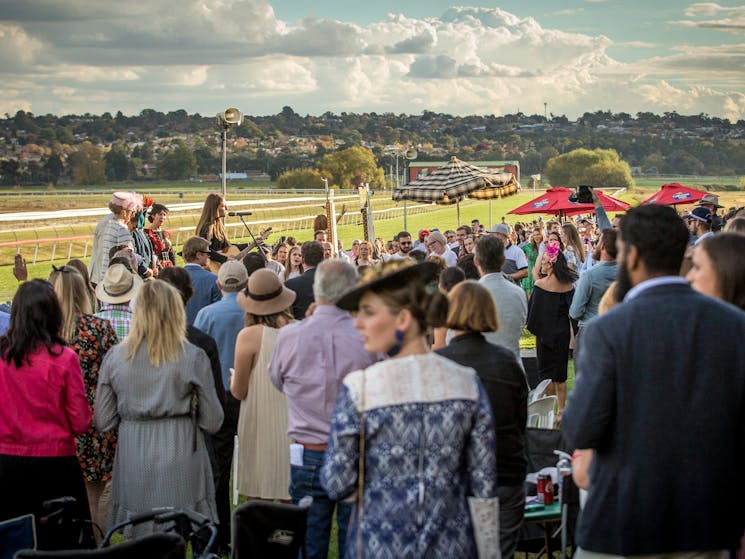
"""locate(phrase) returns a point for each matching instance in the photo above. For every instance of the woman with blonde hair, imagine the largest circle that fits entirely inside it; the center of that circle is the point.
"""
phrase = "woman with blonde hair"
(472, 312)
(90, 338)
(158, 389)
(264, 451)
(365, 256)
(393, 421)
(82, 269)
(574, 250)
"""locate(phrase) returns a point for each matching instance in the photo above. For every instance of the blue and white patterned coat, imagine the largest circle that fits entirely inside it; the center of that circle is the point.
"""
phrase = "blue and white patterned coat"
(429, 445)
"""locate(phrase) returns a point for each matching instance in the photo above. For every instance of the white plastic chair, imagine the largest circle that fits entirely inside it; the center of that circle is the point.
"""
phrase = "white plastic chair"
(545, 408)
(539, 390)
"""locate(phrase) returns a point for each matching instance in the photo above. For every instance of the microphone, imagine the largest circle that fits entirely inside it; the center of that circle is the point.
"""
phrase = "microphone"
(239, 214)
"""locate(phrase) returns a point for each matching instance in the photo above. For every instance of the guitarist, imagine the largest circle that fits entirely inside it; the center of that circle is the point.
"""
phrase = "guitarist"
(212, 228)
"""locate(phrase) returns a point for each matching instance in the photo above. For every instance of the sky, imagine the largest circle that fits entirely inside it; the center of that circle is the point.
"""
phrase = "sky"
(477, 58)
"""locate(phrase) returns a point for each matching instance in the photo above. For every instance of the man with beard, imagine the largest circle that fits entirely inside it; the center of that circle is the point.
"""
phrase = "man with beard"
(659, 394)
(595, 281)
(404, 246)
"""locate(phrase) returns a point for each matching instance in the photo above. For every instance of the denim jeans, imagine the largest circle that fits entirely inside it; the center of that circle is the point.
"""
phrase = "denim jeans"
(306, 480)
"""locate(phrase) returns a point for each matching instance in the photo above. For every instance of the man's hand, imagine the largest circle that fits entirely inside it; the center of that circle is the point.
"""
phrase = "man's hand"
(19, 268)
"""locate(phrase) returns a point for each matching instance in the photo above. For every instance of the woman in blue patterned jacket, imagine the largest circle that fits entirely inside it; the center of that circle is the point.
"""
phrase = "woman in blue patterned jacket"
(415, 432)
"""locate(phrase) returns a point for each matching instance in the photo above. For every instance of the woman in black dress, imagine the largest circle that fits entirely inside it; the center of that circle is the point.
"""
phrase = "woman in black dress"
(548, 319)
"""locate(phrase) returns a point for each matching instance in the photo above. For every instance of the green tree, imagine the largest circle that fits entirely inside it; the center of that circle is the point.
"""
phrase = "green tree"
(300, 179)
(10, 171)
(53, 168)
(352, 167)
(598, 167)
(117, 164)
(87, 165)
(178, 164)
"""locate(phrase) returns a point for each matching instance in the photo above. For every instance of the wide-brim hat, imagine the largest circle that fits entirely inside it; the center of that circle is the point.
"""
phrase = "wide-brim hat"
(394, 273)
(265, 294)
(710, 200)
(118, 285)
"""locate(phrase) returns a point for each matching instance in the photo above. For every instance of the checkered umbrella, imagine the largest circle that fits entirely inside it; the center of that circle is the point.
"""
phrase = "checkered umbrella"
(455, 180)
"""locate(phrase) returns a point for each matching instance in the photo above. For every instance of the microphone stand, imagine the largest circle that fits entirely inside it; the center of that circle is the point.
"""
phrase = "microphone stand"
(261, 252)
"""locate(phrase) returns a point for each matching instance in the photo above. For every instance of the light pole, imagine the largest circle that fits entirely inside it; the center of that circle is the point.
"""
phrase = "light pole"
(225, 120)
(410, 154)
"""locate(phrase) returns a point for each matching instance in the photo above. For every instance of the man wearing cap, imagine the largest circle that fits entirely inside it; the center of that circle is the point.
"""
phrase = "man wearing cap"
(196, 253)
(309, 362)
(515, 265)
(223, 321)
(115, 291)
(699, 224)
(112, 231)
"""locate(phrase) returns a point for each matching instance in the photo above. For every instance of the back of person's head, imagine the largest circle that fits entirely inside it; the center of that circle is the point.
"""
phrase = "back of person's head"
(608, 237)
(735, 225)
(312, 253)
(73, 296)
(117, 248)
(609, 299)
(726, 250)
(333, 278)
(232, 276)
(254, 261)
(35, 320)
(126, 257)
(81, 267)
(659, 235)
(418, 255)
(471, 308)
(469, 268)
(159, 318)
(180, 279)
(450, 277)
(489, 252)
(193, 246)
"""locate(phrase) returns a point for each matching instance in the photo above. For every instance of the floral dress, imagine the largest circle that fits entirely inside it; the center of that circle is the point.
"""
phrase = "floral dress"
(93, 338)
(162, 247)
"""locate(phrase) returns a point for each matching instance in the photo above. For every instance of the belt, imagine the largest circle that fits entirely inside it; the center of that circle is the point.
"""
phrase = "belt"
(316, 447)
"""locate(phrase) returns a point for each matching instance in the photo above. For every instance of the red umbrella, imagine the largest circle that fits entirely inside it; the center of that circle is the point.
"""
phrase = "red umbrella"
(556, 201)
(674, 193)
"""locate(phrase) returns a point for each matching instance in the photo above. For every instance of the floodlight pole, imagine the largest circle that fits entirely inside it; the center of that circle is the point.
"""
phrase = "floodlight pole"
(229, 117)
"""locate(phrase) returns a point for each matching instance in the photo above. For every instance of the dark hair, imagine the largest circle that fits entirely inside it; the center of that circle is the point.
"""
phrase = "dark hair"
(659, 235)
(469, 268)
(449, 277)
(124, 261)
(608, 238)
(725, 250)
(180, 279)
(418, 255)
(312, 253)
(403, 234)
(489, 251)
(562, 271)
(254, 261)
(35, 318)
(156, 209)
(116, 248)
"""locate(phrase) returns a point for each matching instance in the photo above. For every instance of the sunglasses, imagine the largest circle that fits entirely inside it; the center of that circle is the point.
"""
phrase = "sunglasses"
(404, 242)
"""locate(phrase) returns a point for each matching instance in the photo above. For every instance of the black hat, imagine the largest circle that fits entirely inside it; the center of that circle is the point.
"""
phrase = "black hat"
(393, 273)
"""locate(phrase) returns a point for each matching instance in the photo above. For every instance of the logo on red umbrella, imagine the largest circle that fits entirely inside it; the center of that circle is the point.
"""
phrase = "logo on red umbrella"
(681, 195)
(541, 203)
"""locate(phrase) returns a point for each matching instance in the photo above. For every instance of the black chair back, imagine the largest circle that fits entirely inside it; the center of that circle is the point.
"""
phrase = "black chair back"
(152, 546)
(265, 529)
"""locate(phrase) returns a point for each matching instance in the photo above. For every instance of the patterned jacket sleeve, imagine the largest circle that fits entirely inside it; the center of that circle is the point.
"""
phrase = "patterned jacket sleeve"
(481, 453)
(341, 463)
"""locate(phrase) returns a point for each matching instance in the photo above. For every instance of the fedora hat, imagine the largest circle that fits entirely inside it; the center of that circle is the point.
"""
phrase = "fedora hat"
(394, 273)
(710, 200)
(265, 294)
(118, 285)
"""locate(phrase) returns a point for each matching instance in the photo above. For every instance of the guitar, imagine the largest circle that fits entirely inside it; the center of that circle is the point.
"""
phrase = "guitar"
(231, 251)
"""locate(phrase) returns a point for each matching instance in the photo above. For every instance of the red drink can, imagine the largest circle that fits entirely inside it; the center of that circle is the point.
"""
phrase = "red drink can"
(540, 485)
(548, 492)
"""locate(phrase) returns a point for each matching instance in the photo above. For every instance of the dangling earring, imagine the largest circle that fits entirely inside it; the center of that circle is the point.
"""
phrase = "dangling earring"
(397, 346)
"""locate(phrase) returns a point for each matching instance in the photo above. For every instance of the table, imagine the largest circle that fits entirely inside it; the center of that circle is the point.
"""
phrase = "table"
(545, 516)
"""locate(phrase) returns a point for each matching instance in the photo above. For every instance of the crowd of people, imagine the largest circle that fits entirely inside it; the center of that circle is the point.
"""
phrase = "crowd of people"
(387, 381)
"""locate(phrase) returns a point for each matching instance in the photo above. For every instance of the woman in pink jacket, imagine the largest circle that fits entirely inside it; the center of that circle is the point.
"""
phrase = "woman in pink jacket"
(42, 407)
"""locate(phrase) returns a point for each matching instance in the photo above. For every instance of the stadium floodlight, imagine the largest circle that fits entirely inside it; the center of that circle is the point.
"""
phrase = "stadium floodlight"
(225, 120)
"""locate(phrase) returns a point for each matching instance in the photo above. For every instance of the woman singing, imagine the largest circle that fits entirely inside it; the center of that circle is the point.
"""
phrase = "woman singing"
(212, 228)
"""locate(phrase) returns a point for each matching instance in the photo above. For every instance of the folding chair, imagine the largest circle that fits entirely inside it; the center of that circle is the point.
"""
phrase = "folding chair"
(16, 534)
(265, 529)
(152, 546)
(539, 390)
(545, 408)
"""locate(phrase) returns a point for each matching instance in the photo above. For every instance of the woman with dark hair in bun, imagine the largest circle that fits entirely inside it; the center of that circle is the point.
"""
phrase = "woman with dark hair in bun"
(413, 436)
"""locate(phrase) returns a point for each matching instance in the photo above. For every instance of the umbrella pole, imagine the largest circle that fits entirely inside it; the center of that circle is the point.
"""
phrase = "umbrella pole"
(490, 221)
(457, 210)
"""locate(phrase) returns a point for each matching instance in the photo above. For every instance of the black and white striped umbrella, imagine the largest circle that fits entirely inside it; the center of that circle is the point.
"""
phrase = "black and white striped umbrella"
(454, 181)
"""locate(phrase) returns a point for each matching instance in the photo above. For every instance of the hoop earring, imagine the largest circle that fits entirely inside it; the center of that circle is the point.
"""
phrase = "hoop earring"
(398, 345)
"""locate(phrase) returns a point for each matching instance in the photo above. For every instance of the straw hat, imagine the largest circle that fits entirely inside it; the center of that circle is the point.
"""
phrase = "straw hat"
(265, 294)
(118, 285)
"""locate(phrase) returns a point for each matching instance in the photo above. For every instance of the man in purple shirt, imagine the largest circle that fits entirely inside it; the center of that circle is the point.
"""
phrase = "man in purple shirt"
(310, 360)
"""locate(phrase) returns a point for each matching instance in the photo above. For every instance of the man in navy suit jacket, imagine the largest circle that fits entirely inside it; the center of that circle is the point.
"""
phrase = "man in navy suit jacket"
(660, 396)
(196, 256)
(312, 255)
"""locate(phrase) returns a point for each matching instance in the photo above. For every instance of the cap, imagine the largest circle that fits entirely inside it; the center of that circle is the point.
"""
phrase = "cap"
(232, 276)
(700, 214)
(501, 228)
